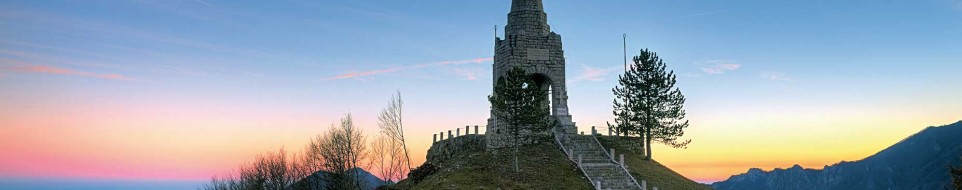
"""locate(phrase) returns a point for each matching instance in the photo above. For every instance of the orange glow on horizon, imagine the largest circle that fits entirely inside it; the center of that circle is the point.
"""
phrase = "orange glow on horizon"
(178, 143)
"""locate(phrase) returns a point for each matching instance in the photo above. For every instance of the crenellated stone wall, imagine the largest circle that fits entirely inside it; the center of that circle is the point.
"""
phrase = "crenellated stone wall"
(447, 148)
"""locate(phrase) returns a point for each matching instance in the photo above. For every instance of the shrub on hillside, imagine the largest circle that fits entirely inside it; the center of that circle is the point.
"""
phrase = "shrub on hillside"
(421, 172)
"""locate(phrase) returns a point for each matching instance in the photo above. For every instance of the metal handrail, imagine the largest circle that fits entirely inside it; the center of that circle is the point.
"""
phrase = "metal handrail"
(570, 157)
(622, 165)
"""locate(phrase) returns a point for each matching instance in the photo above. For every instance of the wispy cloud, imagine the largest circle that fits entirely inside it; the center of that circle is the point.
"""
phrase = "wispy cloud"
(205, 3)
(365, 73)
(357, 75)
(248, 73)
(18, 65)
(76, 25)
(63, 71)
(467, 73)
(771, 75)
(592, 74)
(460, 62)
(718, 67)
(702, 14)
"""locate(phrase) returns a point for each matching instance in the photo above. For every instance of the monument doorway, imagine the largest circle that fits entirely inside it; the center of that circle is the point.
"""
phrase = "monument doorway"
(543, 83)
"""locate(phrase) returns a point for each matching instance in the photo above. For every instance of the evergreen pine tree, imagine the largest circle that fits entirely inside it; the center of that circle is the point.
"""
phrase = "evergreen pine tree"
(648, 104)
(956, 174)
(518, 107)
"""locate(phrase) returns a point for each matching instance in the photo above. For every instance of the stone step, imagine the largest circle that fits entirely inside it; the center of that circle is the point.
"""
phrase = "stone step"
(577, 151)
(576, 155)
(596, 163)
(609, 175)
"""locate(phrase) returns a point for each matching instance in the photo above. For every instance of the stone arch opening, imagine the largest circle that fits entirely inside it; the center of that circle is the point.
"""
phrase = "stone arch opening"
(544, 83)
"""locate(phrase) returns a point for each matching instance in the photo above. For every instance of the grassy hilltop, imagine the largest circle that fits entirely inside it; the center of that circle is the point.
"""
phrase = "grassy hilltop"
(543, 166)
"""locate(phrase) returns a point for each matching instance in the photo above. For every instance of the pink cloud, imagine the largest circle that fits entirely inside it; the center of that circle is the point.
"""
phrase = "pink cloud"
(64, 71)
(364, 73)
(20, 66)
(469, 73)
(592, 74)
(478, 60)
(396, 69)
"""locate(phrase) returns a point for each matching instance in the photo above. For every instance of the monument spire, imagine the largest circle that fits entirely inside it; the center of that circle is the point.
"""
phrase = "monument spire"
(535, 5)
(527, 17)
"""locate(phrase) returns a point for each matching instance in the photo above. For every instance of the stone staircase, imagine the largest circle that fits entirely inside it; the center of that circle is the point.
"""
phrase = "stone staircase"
(595, 162)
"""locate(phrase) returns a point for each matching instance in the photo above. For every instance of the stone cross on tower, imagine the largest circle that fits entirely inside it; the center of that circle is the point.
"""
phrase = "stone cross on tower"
(530, 44)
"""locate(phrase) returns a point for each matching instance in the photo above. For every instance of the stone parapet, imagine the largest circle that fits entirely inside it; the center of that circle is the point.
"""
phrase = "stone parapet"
(447, 148)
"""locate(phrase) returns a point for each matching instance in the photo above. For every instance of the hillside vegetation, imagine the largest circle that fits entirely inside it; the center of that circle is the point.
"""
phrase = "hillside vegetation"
(543, 166)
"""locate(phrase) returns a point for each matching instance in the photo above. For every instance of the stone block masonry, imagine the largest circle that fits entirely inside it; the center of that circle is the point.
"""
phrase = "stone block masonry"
(445, 149)
(530, 44)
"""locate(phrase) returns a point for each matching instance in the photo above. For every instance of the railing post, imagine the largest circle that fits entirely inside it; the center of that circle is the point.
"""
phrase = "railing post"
(622, 161)
(599, 183)
(612, 154)
(609, 131)
(467, 130)
(449, 134)
(458, 134)
(435, 138)
(644, 185)
(593, 132)
(476, 130)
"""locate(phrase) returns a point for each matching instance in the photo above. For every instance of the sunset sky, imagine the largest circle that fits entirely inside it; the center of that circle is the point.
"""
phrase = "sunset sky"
(146, 91)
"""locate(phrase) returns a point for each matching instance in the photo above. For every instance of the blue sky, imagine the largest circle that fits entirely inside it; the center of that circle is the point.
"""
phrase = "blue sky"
(765, 70)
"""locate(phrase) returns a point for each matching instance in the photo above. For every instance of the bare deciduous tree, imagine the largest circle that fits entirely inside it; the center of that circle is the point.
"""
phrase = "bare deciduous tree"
(392, 126)
(378, 154)
(271, 171)
(339, 152)
(387, 157)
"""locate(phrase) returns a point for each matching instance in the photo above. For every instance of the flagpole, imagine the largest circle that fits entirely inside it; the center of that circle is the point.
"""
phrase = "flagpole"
(624, 43)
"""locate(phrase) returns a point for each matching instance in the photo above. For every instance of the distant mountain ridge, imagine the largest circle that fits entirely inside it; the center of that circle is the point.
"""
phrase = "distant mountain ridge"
(917, 162)
(368, 181)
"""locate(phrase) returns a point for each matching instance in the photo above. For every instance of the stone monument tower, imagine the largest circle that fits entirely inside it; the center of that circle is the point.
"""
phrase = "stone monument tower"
(530, 44)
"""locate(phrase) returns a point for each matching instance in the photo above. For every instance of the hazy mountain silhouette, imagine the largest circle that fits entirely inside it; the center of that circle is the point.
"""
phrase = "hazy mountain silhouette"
(916, 162)
(368, 180)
